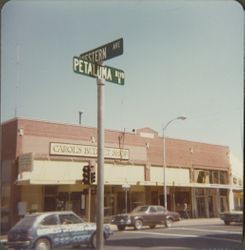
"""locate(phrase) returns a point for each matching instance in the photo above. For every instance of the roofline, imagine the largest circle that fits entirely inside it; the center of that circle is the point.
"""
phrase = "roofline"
(109, 130)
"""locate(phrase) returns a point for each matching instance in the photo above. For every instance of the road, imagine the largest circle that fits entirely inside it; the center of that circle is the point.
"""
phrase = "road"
(194, 234)
(203, 234)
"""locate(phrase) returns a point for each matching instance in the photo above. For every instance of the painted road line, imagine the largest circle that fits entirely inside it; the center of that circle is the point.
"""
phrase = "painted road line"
(185, 236)
(206, 230)
(164, 234)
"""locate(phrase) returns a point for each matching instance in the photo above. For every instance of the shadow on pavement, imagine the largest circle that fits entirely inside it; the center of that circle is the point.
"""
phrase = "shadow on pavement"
(212, 241)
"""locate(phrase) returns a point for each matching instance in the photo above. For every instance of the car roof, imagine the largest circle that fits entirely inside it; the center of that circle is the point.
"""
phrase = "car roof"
(43, 214)
(151, 206)
(40, 215)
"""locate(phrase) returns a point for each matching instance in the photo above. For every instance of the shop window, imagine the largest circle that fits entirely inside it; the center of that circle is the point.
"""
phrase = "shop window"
(50, 190)
(201, 176)
(223, 177)
(199, 191)
(215, 175)
(75, 195)
(223, 204)
(223, 192)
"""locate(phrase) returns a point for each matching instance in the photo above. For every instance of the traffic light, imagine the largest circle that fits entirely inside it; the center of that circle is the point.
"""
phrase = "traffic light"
(86, 174)
(92, 175)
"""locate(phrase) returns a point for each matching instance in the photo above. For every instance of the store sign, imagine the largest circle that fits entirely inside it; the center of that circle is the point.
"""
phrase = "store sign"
(66, 149)
(25, 162)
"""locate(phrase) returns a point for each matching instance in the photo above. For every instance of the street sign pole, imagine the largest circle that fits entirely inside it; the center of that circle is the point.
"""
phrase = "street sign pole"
(90, 64)
(100, 170)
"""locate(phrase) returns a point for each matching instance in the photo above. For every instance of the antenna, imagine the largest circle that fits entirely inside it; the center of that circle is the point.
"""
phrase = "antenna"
(18, 78)
(80, 117)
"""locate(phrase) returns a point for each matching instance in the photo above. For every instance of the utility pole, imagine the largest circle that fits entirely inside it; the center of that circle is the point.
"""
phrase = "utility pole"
(100, 170)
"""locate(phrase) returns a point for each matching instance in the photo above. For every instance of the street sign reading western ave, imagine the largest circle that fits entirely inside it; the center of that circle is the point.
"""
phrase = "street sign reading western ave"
(92, 69)
(104, 52)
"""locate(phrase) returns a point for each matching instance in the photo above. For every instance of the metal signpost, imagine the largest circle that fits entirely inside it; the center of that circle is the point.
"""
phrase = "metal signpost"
(126, 187)
(90, 64)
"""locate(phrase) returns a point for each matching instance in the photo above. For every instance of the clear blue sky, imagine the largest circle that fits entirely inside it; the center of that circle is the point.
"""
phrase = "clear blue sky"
(180, 58)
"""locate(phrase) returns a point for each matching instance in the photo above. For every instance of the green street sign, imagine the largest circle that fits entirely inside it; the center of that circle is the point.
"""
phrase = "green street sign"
(91, 69)
(104, 52)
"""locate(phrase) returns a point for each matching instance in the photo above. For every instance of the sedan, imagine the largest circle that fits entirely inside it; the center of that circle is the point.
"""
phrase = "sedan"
(145, 216)
(232, 216)
(48, 230)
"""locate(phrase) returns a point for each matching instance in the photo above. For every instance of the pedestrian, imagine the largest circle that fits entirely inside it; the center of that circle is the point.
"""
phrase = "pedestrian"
(185, 211)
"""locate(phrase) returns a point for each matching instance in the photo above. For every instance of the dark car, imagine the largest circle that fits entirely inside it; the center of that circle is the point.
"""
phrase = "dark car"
(232, 216)
(48, 230)
(145, 216)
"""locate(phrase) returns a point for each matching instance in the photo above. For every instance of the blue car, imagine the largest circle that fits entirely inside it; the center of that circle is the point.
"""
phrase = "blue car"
(48, 230)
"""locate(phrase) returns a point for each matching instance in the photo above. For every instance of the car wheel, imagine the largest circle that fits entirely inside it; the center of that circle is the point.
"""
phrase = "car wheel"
(43, 244)
(152, 226)
(168, 222)
(121, 228)
(138, 224)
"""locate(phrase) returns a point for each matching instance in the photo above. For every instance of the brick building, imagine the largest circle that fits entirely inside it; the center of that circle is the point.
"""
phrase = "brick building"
(41, 170)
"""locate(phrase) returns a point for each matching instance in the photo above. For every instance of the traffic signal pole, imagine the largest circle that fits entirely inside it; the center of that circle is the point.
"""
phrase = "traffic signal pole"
(100, 169)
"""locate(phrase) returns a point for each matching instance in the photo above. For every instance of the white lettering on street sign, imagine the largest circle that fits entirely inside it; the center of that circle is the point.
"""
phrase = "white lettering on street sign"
(96, 55)
(104, 52)
(107, 73)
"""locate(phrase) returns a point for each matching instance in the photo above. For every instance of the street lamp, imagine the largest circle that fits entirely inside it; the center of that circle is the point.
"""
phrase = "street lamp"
(164, 159)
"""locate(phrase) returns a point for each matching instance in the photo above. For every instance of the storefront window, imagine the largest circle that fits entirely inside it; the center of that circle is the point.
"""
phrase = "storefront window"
(201, 176)
(199, 191)
(215, 175)
(223, 177)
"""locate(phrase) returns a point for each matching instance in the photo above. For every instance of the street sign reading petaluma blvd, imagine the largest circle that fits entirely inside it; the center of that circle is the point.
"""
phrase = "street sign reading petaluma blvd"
(104, 52)
(88, 68)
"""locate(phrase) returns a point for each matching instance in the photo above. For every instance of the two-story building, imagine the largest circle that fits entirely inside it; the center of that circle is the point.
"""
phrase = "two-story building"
(42, 169)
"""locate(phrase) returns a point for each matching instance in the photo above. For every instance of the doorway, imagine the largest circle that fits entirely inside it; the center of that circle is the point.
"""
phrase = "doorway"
(110, 204)
(201, 210)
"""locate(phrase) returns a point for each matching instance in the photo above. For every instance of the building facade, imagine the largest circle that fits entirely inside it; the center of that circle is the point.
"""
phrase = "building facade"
(42, 170)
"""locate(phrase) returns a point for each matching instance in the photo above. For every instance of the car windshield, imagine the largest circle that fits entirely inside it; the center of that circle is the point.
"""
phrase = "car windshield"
(26, 222)
(140, 209)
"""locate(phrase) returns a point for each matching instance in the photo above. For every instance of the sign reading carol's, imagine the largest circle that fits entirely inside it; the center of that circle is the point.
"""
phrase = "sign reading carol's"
(66, 149)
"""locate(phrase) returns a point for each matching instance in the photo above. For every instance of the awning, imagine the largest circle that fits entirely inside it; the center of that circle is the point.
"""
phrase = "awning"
(51, 172)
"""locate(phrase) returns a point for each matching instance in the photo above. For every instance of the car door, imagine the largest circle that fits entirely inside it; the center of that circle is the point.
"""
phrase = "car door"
(77, 230)
(49, 226)
(161, 215)
(152, 216)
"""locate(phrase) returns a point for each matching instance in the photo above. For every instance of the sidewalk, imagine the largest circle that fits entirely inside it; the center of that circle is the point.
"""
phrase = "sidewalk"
(186, 222)
(202, 221)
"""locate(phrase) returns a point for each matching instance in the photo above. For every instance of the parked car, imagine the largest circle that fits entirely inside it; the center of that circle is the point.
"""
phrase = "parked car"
(148, 215)
(232, 216)
(48, 230)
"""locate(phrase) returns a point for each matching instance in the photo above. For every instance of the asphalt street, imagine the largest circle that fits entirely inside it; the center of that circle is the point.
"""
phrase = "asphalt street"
(192, 234)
